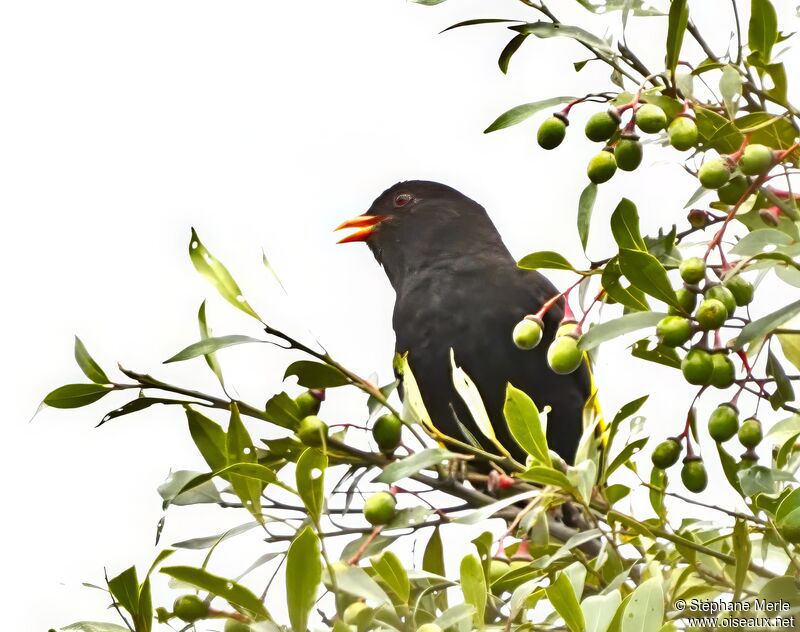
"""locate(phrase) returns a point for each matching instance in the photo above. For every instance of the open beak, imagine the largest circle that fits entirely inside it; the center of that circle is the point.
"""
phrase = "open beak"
(365, 225)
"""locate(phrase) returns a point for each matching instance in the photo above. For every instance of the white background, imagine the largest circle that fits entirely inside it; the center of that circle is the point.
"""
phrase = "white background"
(263, 125)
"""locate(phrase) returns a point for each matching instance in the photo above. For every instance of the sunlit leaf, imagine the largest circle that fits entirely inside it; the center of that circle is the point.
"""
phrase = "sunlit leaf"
(522, 112)
(303, 574)
(522, 418)
(76, 395)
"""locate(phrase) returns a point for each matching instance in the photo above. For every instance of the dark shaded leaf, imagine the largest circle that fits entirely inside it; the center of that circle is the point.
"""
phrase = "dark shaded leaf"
(544, 259)
(678, 21)
(521, 112)
(315, 374)
(87, 364)
(585, 206)
(76, 395)
(508, 52)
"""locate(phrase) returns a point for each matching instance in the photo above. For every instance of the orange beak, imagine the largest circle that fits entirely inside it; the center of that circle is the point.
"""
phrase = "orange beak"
(365, 224)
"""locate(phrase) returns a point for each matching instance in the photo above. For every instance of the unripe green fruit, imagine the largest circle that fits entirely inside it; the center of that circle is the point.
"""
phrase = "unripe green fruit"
(551, 132)
(733, 190)
(628, 153)
(190, 608)
(686, 299)
(380, 508)
(567, 327)
(312, 431)
(723, 423)
(601, 126)
(429, 627)
(724, 373)
(602, 167)
(756, 160)
(697, 367)
(350, 614)
(714, 173)
(711, 314)
(673, 331)
(666, 454)
(528, 333)
(497, 568)
(308, 403)
(232, 625)
(563, 355)
(750, 433)
(387, 432)
(789, 528)
(650, 118)
(741, 289)
(682, 133)
(694, 475)
(692, 270)
(724, 296)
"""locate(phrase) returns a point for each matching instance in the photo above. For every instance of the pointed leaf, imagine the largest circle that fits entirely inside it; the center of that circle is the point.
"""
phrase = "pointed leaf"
(410, 465)
(647, 274)
(562, 597)
(523, 421)
(545, 259)
(210, 345)
(585, 207)
(303, 574)
(611, 329)
(521, 112)
(645, 610)
(316, 374)
(391, 571)
(87, 364)
(310, 476)
(233, 593)
(473, 585)
(764, 325)
(76, 395)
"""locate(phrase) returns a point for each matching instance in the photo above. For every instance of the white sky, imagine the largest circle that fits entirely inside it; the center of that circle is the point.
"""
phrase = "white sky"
(262, 124)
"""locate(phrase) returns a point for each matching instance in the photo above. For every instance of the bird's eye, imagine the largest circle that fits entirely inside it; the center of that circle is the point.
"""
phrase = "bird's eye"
(402, 199)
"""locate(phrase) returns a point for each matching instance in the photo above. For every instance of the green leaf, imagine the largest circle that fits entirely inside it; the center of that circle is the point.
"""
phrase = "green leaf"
(209, 437)
(522, 112)
(611, 329)
(508, 52)
(660, 354)
(678, 21)
(762, 32)
(522, 418)
(487, 511)
(310, 476)
(355, 581)
(452, 617)
(217, 274)
(391, 571)
(544, 259)
(239, 449)
(625, 226)
(784, 392)
(550, 29)
(283, 411)
(730, 87)
(94, 626)
(87, 364)
(658, 485)
(585, 207)
(598, 610)
(730, 468)
(410, 465)
(743, 547)
(433, 562)
(645, 611)
(647, 274)
(205, 334)
(476, 22)
(761, 327)
(549, 476)
(209, 346)
(312, 374)
(76, 395)
(234, 593)
(125, 590)
(625, 454)
(629, 297)
(140, 403)
(756, 241)
(790, 345)
(303, 574)
(717, 132)
(562, 598)
(173, 491)
(473, 585)
(767, 129)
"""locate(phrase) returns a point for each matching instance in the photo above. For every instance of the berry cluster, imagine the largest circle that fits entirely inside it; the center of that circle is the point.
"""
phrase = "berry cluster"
(563, 354)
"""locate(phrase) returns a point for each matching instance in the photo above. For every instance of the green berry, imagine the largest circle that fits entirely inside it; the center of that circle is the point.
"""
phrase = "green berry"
(387, 432)
(650, 118)
(497, 568)
(733, 190)
(350, 614)
(429, 627)
(682, 133)
(694, 475)
(711, 314)
(602, 167)
(789, 521)
(666, 454)
(686, 299)
(693, 270)
(673, 331)
(750, 433)
(628, 153)
(567, 327)
(724, 422)
(602, 125)
(724, 296)
(697, 367)
(528, 333)
(312, 431)
(380, 508)
(563, 355)
(714, 173)
(190, 608)
(552, 132)
(724, 372)
(741, 289)
(309, 402)
(232, 625)
(756, 160)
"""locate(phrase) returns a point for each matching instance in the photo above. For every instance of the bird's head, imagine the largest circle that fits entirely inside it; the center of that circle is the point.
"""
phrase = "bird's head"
(414, 223)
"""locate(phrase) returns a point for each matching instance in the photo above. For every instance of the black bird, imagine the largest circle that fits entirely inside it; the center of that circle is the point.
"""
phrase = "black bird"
(457, 286)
